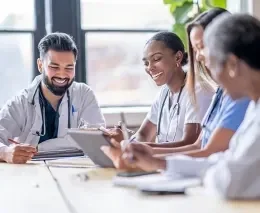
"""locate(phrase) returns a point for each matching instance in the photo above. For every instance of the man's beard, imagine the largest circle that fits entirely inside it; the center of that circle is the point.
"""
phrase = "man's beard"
(56, 90)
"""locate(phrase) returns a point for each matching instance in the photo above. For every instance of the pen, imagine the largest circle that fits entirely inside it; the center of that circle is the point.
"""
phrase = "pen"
(12, 141)
(123, 127)
(132, 139)
(15, 142)
(120, 126)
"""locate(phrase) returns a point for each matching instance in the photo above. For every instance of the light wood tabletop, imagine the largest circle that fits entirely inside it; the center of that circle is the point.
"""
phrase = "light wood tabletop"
(61, 186)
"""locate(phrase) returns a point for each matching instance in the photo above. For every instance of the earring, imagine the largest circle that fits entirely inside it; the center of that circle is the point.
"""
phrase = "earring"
(177, 65)
(232, 74)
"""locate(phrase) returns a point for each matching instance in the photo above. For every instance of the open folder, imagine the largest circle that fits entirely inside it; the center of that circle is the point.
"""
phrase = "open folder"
(62, 153)
(57, 148)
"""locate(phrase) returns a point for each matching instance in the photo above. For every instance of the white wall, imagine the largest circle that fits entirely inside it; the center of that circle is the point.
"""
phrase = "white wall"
(134, 116)
(245, 6)
(235, 6)
(254, 8)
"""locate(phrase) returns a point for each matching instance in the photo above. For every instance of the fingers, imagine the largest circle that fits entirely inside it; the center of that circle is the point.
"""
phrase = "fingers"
(135, 146)
(106, 150)
(17, 159)
(119, 125)
(115, 155)
(23, 153)
(114, 133)
(19, 153)
(26, 148)
(115, 143)
(139, 160)
(129, 157)
(111, 152)
(132, 154)
(124, 144)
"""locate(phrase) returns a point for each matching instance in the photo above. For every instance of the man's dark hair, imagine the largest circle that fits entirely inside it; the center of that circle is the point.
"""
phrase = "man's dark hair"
(58, 42)
(173, 42)
(238, 34)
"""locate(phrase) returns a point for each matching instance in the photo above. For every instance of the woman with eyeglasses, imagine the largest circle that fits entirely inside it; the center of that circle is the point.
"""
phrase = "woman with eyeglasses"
(223, 118)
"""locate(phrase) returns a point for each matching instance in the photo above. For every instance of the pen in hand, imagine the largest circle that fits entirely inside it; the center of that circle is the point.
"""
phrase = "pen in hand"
(13, 141)
(17, 143)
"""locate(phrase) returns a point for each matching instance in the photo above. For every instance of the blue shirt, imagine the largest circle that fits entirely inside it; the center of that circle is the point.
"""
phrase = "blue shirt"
(223, 113)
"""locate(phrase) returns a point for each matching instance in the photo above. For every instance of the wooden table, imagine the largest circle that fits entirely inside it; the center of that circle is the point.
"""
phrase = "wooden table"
(40, 187)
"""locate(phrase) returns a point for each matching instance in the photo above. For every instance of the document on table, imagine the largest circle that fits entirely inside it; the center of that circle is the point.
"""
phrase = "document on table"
(157, 182)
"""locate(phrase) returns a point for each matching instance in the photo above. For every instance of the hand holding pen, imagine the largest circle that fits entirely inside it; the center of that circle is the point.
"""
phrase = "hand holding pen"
(18, 153)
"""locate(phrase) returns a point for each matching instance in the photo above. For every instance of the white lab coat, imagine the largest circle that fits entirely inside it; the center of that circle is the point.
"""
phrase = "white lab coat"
(21, 117)
(234, 174)
(237, 174)
(172, 125)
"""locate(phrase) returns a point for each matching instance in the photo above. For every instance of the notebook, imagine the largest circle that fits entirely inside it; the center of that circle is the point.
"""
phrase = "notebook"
(54, 154)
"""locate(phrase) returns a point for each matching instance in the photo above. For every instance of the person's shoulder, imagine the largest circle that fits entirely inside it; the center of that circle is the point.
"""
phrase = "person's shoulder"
(80, 86)
(204, 91)
(163, 91)
(238, 107)
(81, 89)
(19, 100)
(242, 102)
(202, 94)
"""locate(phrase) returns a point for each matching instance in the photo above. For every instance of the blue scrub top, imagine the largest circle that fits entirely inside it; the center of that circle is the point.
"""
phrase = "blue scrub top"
(223, 113)
(51, 118)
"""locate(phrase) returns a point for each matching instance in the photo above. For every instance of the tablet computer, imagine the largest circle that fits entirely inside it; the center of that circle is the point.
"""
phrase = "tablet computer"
(90, 142)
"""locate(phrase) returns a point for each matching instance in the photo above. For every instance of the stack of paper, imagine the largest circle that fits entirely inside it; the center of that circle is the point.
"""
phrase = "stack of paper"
(135, 181)
(157, 182)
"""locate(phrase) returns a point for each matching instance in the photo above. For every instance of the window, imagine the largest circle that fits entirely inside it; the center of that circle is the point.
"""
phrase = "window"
(16, 64)
(16, 14)
(110, 35)
(115, 34)
(16, 46)
(127, 14)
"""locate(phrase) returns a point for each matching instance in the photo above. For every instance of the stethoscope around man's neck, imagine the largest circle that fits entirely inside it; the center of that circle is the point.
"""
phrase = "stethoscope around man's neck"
(43, 110)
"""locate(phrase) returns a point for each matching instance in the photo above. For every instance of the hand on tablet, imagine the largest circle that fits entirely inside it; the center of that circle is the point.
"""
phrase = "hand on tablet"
(117, 134)
(114, 133)
(115, 154)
